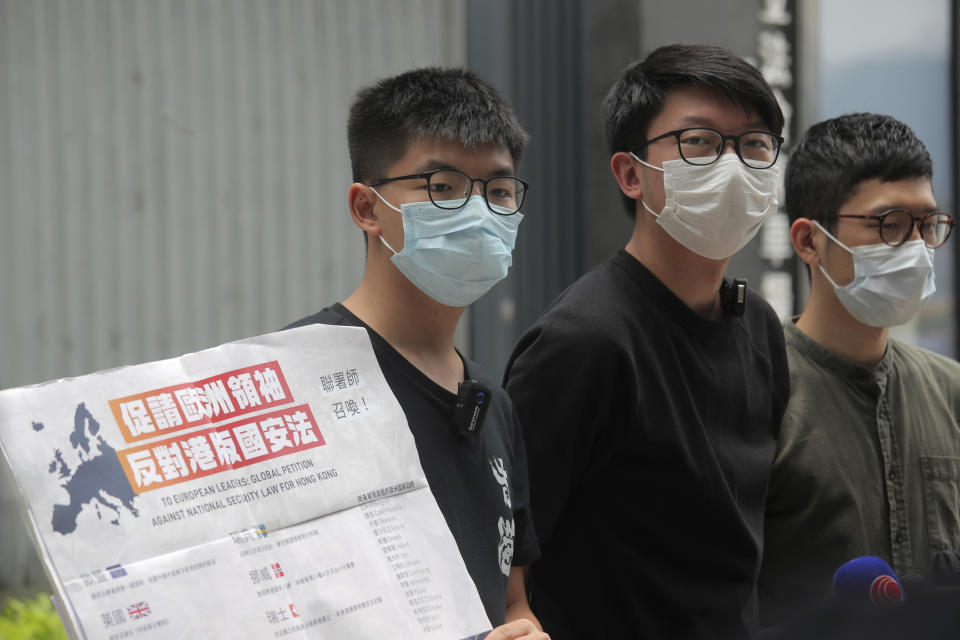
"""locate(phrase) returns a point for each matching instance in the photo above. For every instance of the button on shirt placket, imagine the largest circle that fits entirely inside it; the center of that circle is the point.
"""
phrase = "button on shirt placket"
(893, 481)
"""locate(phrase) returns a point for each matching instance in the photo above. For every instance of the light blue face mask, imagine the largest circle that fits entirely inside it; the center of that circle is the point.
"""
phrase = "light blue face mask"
(454, 256)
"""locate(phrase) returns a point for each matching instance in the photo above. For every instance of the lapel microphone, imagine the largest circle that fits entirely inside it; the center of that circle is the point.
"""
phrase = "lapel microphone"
(473, 400)
(733, 299)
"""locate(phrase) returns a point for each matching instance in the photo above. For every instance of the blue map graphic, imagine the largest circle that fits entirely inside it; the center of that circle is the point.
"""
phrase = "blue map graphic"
(98, 476)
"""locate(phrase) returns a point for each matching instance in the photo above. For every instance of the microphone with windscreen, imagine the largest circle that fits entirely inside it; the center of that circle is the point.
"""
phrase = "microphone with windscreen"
(867, 580)
(871, 603)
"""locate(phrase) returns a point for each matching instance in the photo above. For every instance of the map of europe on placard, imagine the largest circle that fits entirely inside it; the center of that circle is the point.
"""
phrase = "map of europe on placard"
(96, 480)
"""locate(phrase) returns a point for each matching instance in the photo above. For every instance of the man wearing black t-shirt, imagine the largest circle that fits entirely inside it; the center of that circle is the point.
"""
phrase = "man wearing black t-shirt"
(651, 390)
(433, 153)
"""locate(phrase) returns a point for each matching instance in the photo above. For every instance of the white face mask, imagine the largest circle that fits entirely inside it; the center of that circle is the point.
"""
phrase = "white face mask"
(714, 210)
(890, 284)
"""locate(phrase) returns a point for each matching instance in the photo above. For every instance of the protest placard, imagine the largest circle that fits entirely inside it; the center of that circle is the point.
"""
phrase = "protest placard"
(268, 487)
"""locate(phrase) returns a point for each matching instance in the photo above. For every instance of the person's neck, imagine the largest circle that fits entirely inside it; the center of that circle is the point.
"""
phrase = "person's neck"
(418, 327)
(828, 323)
(689, 276)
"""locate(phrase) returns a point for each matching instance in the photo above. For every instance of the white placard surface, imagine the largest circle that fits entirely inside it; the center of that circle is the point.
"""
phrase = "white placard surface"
(265, 488)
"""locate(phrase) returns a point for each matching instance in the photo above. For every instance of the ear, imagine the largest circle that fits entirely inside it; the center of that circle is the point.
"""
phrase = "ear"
(627, 174)
(361, 200)
(804, 235)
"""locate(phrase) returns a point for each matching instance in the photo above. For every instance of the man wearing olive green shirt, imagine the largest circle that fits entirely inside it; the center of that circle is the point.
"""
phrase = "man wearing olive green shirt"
(868, 456)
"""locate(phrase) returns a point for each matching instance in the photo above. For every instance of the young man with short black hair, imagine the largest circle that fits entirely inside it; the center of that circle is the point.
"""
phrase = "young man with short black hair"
(434, 152)
(868, 460)
(651, 390)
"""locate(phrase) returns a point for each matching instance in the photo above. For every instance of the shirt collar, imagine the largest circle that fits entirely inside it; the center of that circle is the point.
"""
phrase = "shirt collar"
(819, 354)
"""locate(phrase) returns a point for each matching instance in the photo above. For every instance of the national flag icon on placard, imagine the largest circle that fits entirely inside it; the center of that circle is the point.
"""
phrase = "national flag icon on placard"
(277, 570)
(293, 610)
(261, 531)
(116, 571)
(139, 610)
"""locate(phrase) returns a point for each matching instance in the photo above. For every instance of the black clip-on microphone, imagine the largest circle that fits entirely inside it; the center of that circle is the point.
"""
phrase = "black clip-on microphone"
(473, 399)
(733, 299)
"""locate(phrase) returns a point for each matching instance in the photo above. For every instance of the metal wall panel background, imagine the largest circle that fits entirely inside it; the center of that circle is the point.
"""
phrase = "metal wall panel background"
(532, 50)
(173, 174)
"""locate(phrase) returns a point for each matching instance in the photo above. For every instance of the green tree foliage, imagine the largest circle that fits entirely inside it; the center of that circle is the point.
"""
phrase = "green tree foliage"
(31, 619)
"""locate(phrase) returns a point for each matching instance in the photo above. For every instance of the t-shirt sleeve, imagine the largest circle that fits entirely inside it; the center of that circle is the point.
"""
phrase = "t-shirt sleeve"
(566, 385)
(527, 549)
(780, 371)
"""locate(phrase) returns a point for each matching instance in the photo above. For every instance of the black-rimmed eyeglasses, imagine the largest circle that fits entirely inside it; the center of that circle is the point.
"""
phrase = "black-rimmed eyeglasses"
(700, 146)
(450, 189)
(896, 226)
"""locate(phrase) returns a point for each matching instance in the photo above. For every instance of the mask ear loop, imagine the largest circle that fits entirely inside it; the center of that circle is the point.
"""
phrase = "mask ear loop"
(646, 164)
(387, 244)
(834, 238)
(385, 201)
(382, 199)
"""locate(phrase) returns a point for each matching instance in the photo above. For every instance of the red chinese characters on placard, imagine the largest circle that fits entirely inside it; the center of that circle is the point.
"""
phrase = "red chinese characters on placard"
(230, 446)
(221, 397)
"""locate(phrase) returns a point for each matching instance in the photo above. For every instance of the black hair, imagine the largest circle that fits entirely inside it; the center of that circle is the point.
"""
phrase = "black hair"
(431, 102)
(834, 156)
(639, 94)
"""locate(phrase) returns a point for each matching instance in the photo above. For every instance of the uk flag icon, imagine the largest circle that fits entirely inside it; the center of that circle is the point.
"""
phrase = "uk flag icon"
(139, 610)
